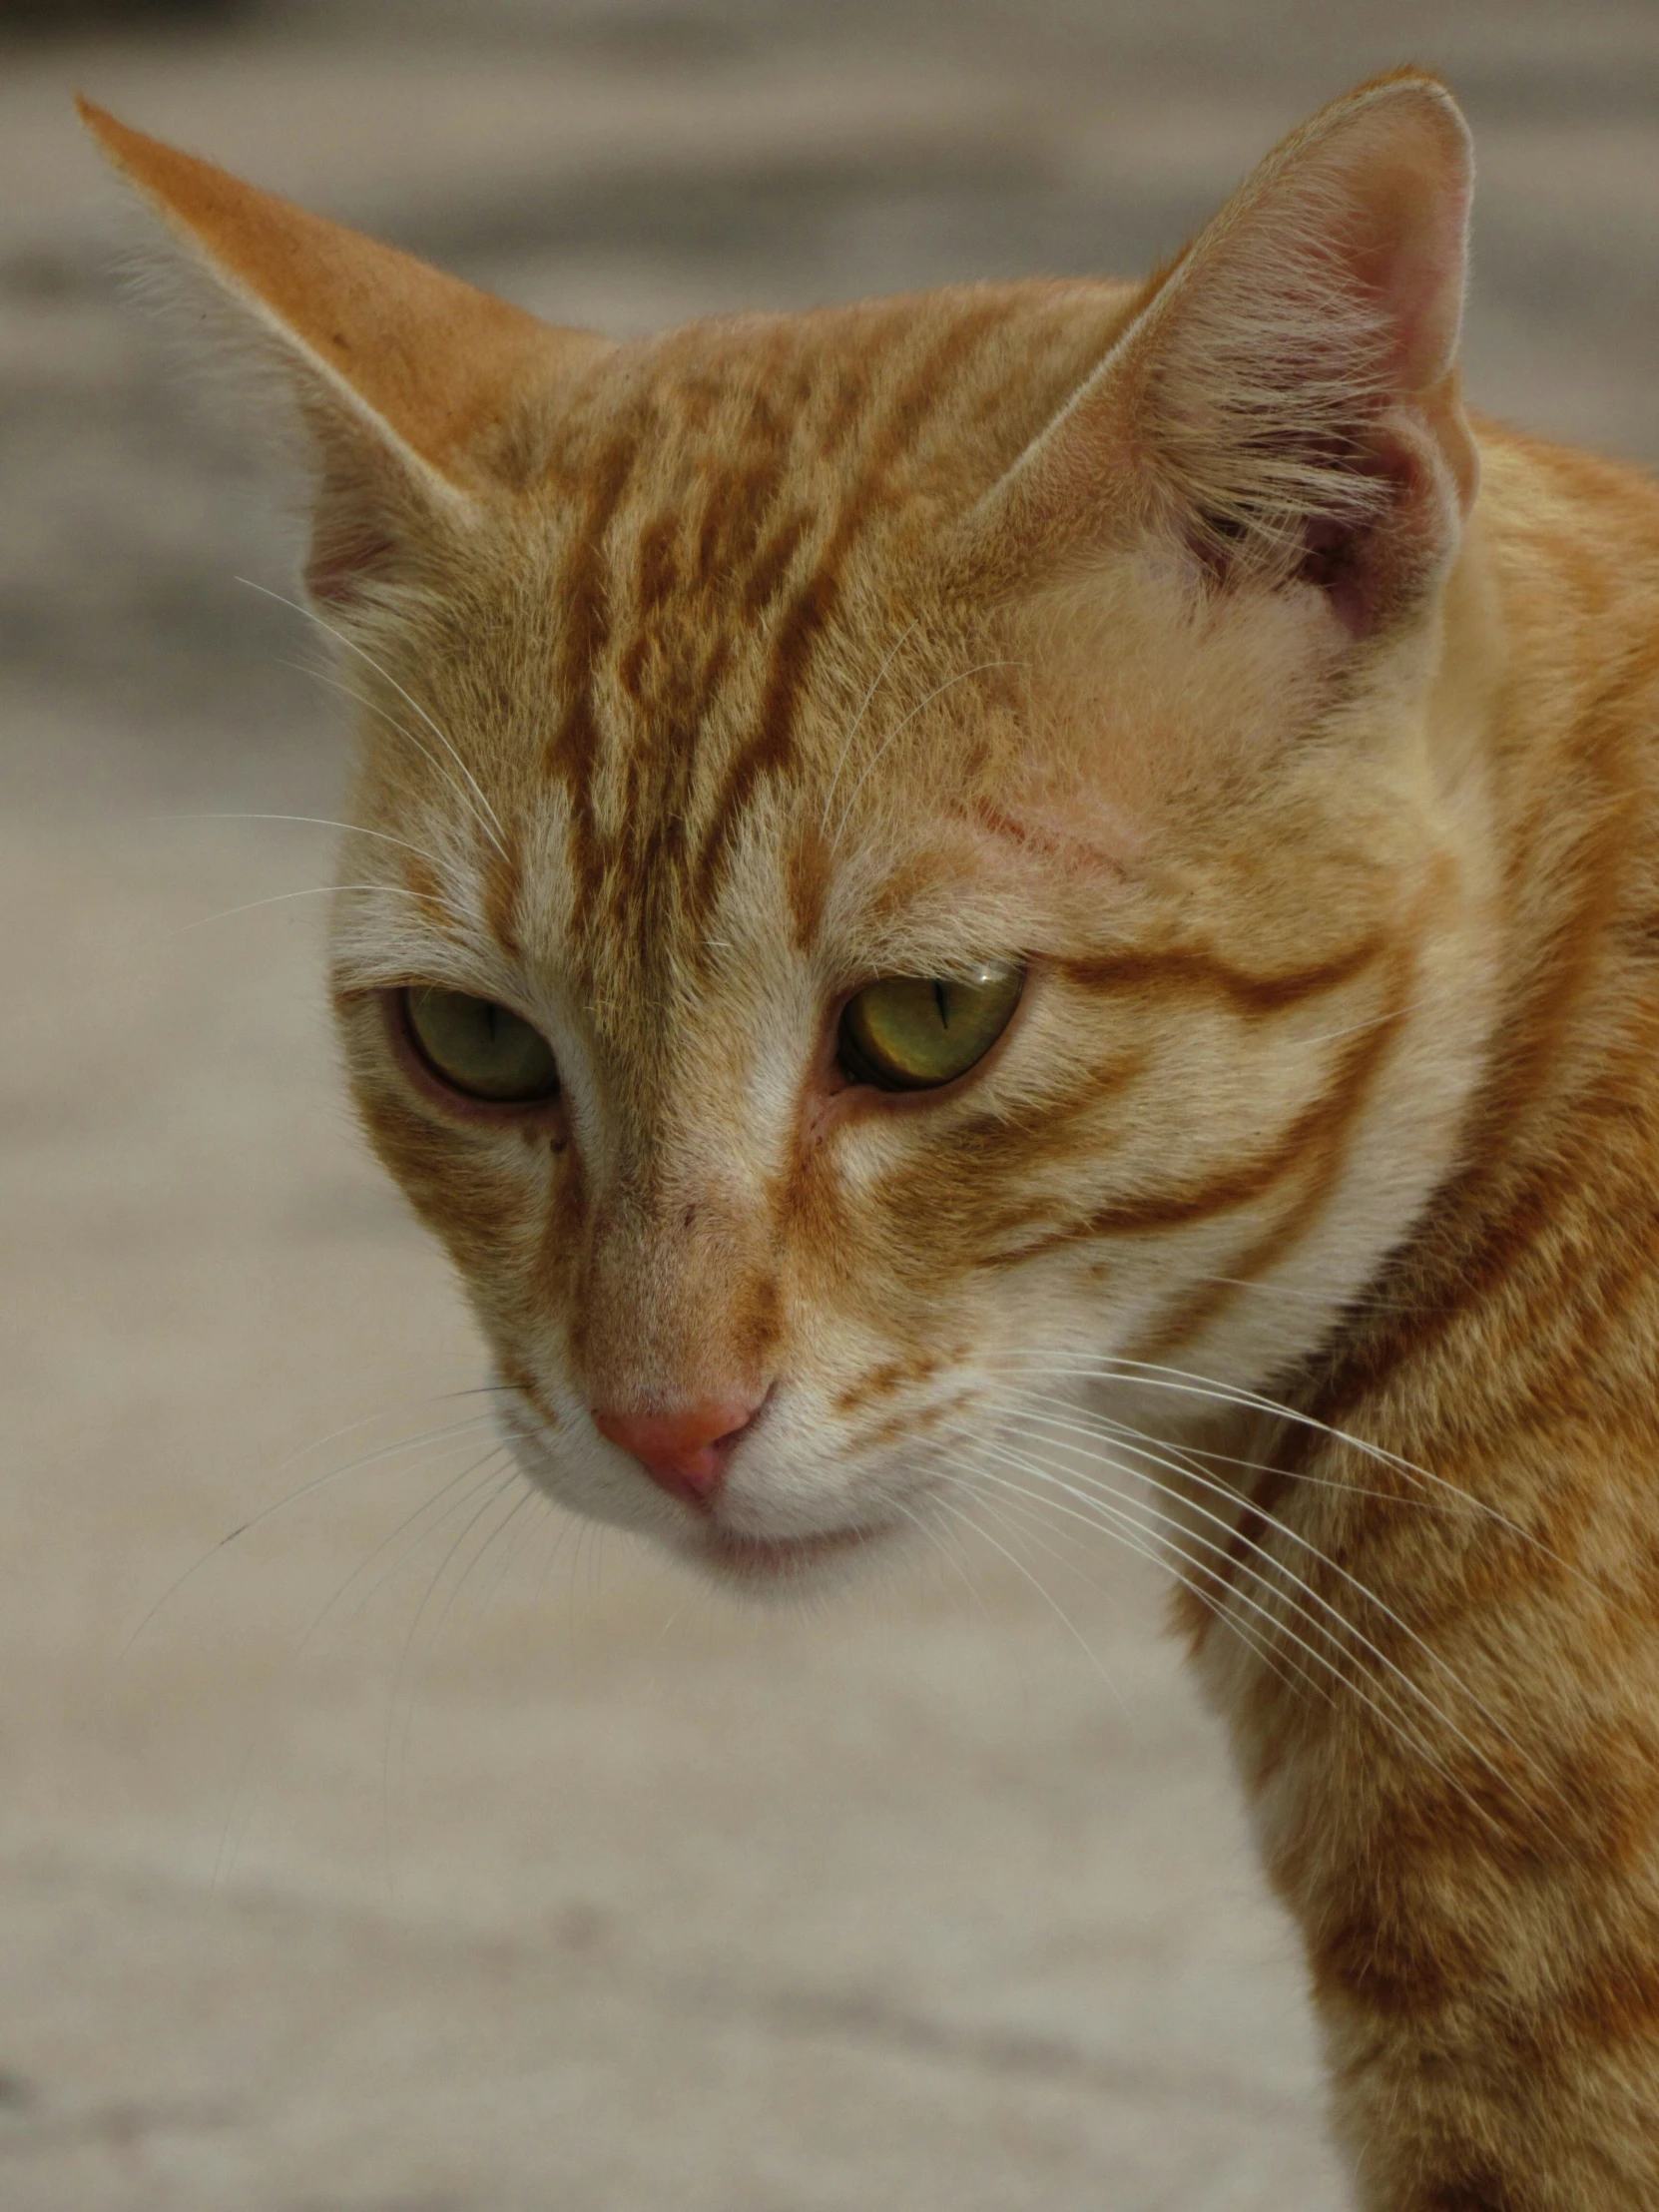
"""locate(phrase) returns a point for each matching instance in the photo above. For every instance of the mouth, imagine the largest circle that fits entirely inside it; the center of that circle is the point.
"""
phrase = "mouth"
(772, 1560)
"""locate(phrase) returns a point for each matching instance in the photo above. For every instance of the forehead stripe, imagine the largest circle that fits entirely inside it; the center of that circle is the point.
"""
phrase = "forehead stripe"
(572, 756)
(771, 748)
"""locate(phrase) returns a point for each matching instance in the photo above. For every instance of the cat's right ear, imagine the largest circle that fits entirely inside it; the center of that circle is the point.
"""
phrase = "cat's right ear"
(1284, 407)
(408, 380)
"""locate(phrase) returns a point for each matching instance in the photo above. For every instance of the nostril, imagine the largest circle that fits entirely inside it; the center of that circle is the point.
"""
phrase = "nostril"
(684, 1451)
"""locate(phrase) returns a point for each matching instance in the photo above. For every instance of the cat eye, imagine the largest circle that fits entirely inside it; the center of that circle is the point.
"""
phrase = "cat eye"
(916, 1032)
(479, 1048)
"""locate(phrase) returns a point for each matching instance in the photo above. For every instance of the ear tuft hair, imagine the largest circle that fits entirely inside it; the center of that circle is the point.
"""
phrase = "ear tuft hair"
(1284, 404)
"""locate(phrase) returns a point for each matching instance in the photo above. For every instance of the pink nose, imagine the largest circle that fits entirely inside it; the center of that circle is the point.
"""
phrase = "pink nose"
(685, 1452)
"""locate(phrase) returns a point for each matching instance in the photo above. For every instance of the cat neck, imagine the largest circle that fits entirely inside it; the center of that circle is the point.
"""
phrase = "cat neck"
(1543, 732)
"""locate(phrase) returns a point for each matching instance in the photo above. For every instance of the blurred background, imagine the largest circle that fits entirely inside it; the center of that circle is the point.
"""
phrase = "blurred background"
(417, 1850)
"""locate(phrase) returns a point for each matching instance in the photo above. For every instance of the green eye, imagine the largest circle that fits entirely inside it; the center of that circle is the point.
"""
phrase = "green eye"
(480, 1049)
(914, 1032)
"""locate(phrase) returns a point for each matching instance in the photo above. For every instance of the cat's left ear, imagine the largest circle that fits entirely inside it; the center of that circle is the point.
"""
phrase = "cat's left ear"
(1284, 404)
(409, 382)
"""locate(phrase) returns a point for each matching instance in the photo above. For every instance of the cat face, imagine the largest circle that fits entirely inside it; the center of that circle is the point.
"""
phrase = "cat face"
(907, 855)
(741, 747)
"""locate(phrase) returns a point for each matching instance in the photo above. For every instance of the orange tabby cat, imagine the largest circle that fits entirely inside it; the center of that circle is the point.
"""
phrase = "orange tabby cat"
(996, 894)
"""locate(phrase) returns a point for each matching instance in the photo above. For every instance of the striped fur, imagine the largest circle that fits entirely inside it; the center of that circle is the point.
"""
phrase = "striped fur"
(1155, 637)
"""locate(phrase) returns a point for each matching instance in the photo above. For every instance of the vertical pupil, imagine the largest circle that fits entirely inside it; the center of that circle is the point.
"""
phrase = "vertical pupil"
(943, 1002)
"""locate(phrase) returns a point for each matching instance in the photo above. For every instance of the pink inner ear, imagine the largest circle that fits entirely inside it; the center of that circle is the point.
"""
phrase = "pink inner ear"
(1413, 212)
(1245, 409)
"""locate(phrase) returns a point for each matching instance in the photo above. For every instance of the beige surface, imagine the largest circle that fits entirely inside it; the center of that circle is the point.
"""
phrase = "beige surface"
(498, 1867)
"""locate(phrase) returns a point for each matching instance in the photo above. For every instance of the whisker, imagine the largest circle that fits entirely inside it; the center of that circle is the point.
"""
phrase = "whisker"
(1279, 1627)
(514, 1509)
(241, 1810)
(533, 1496)
(312, 890)
(1150, 1376)
(1305, 1591)
(308, 1489)
(528, 1496)
(1152, 1545)
(1359, 1302)
(455, 1505)
(857, 718)
(1160, 1553)
(1374, 1021)
(1059, 1612)
(487, 814)
(493, 1494)
(933, 1534)
(364, 1420)
(1110, 1368)
(372, 706)
(903, 724)
(562, 1523)
(1126, 1502)
(315, 821)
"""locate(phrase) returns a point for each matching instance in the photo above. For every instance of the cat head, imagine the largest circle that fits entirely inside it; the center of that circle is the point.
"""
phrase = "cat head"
(908, 856)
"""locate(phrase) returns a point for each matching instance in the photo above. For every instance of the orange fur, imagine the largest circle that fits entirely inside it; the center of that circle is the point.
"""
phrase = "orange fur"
(1185, 644)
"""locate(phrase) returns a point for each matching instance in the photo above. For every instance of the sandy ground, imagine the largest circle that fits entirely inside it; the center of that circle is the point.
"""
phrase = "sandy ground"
(422, 1852)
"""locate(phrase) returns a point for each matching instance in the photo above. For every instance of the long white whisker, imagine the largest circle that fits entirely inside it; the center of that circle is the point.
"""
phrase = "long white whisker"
(510, 1557)
(1118, 1521)
(933, 1533)
(424, 1444)
(1059, 1612)
(373, 707)
(312, 890)
(1359, 1301)
(903, 724)
(365, 1420)
(1110, 1368)
(1160, 1549)
(1161, 1552)
(455, 1505)
(240, 1809)
(455, 1588)
(1374, 1021)
(491, 1497)
(563, 1524)
(1144, 1375)
(315, 821)
(488, 815)
(857, 718)
(493, 1485)
(1098, 1489)
(1236, 1536)
(1275, 1624)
